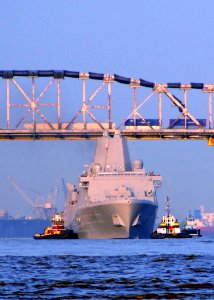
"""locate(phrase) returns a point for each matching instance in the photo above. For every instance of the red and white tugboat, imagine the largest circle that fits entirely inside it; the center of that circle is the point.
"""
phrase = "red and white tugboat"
(56, 230)
(169, 226)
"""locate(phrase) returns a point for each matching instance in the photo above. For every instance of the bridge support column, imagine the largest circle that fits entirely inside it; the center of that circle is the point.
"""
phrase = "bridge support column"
(8, 102)
(160, 109)
(210, 111)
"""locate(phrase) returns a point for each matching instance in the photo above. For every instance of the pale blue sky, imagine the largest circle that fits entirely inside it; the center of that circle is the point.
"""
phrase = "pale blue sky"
(159, 41)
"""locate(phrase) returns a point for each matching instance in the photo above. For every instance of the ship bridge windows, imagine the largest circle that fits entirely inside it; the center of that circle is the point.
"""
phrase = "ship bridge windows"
(83, 184)
(121, 174)
(121, 192)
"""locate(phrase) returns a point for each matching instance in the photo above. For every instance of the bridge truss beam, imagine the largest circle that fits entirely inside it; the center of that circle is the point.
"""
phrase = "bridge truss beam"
(35, 124)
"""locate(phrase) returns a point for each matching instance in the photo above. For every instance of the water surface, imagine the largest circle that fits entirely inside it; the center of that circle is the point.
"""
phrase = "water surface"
(107, 269)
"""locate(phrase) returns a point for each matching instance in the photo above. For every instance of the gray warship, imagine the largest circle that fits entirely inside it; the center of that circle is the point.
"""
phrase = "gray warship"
(113, 200)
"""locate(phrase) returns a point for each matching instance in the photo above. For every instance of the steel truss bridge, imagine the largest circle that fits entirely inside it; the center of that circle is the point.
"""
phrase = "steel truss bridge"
(33, 122)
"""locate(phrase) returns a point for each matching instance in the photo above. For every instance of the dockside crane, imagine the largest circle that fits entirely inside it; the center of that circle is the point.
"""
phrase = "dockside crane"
(41, 210)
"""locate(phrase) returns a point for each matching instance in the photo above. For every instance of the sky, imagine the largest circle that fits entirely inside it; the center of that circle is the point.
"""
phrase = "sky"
(159, 41)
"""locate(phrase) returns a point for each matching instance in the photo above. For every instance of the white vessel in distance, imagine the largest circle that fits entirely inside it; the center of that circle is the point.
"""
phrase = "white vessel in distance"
(113, 200)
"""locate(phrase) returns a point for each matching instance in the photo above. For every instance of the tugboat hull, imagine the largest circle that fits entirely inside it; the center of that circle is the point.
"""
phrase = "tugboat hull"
(192, 232)
(67, 234)
(170, 236)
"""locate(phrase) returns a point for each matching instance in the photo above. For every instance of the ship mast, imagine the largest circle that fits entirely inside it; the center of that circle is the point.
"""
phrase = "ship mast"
(168, 205)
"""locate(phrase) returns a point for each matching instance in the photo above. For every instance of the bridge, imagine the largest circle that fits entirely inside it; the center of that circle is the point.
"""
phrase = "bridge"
(70, 105)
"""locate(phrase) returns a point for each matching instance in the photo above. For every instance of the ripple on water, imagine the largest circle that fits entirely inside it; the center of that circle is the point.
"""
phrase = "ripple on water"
(139, 276)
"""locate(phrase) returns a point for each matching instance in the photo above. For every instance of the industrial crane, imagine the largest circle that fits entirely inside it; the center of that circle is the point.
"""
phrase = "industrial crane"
(41, 210)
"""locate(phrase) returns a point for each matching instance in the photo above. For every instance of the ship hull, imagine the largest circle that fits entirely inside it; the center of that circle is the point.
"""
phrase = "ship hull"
(116, 220)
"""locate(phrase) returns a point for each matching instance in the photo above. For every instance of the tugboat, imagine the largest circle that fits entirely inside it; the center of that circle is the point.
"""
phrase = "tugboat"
(56, 230)
(190, 227)
(169, 226)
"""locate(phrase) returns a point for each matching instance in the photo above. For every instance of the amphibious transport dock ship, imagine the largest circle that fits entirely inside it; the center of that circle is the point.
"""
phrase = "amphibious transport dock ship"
(113, 199)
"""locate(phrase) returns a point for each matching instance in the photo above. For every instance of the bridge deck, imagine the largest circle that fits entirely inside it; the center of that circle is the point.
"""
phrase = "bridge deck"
(163, 134)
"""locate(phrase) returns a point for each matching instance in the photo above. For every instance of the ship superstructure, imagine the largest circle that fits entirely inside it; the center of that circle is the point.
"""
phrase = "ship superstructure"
(114, 199)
